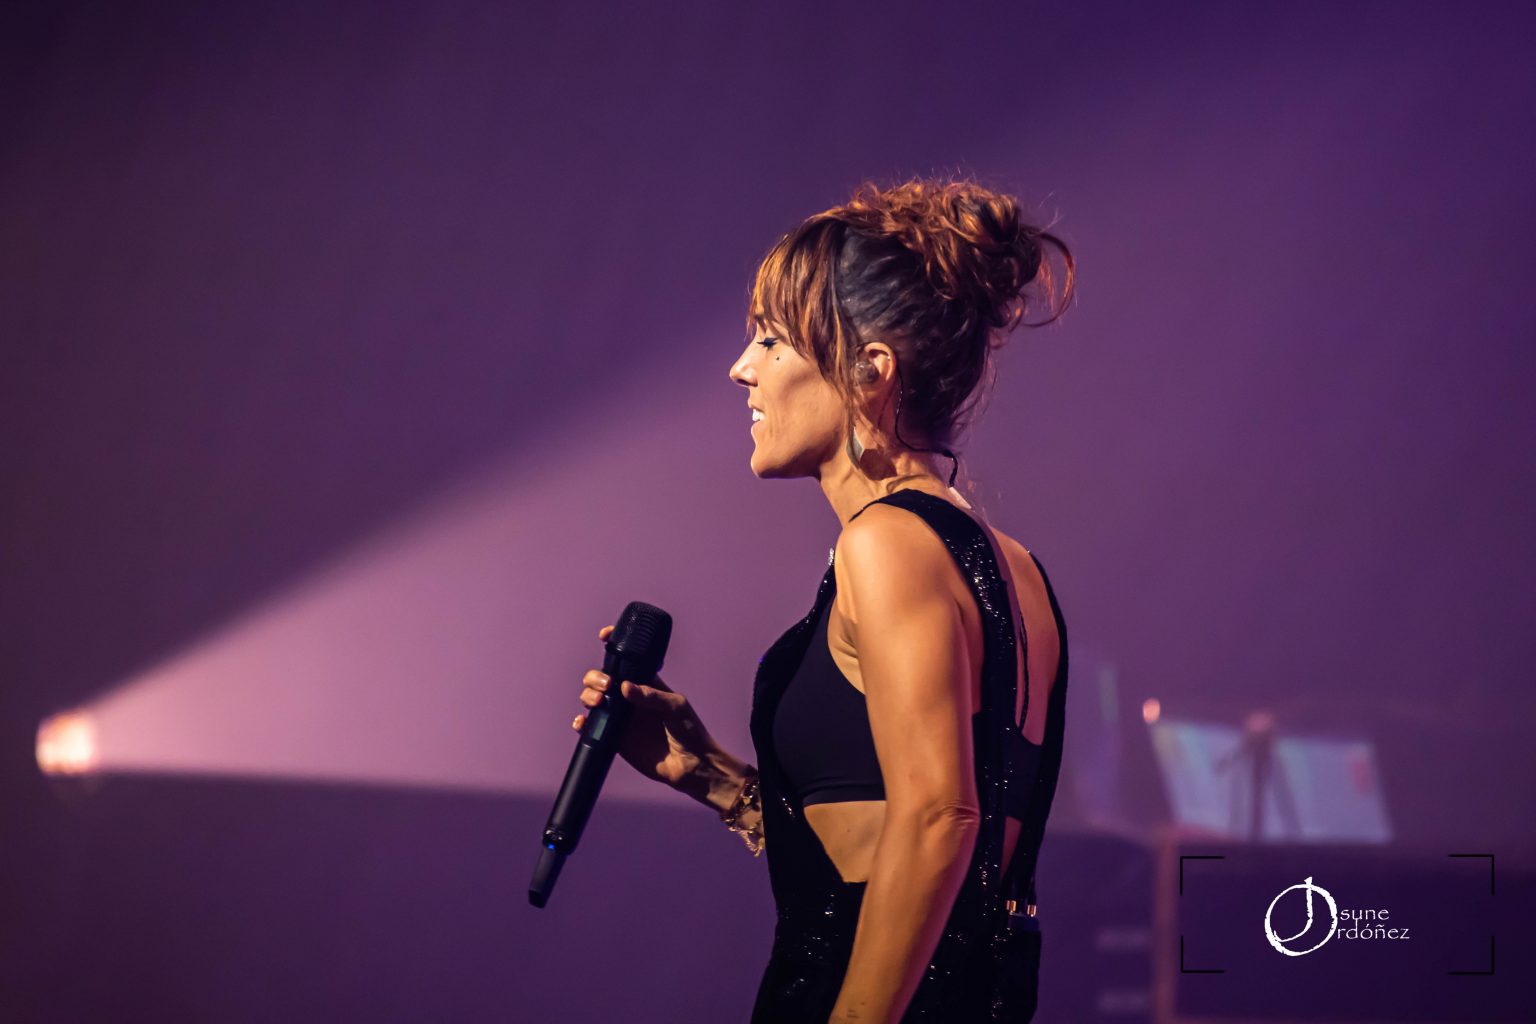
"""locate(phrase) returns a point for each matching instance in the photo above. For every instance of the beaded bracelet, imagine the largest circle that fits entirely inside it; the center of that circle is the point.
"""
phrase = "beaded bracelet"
(746, 800)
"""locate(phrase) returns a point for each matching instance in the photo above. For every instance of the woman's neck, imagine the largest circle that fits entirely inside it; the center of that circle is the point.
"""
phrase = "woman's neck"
(848, 490)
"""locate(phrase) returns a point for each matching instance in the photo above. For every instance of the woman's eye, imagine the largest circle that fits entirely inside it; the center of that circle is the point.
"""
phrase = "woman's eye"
(769, 342)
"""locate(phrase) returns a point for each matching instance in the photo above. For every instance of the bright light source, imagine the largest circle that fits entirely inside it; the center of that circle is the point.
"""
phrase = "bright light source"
(66, 744)
(1151, 710)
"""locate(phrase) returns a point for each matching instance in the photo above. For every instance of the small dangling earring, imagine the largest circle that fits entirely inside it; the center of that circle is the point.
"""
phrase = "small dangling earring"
(866, 373)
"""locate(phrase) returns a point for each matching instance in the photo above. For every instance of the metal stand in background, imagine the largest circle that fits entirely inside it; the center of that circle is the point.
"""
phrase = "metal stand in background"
(1256, 750)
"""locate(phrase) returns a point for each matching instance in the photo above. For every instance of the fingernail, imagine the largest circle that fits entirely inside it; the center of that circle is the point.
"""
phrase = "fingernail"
(576, 722)
(602, 683)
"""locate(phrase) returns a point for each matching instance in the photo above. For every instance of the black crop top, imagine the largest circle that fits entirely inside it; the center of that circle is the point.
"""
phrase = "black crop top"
(825, 747)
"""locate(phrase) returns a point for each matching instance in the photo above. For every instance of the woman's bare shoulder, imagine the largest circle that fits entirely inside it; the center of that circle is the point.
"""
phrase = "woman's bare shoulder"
(887, 535)
(889, 540)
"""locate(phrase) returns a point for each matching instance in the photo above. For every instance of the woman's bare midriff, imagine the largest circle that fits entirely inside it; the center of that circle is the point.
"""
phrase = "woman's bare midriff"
(849, 830)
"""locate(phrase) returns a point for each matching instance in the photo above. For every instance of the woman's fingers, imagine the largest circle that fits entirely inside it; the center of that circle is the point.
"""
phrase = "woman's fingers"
(649, 696)
(592, 684)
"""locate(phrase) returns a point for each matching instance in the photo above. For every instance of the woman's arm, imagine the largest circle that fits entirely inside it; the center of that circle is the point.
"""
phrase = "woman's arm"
(717, 779)
(727, 784)
(912, 652)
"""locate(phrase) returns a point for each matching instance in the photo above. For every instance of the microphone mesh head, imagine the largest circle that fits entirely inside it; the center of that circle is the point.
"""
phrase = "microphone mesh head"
(642, 634)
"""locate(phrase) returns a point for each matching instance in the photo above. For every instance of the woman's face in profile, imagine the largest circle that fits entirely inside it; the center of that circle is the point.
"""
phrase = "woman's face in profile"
(801, 414)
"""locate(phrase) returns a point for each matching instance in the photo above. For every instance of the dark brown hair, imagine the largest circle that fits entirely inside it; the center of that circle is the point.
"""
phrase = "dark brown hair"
(938, 270)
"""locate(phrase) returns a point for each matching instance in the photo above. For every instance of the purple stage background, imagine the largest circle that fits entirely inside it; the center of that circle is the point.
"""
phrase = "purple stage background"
(395, 338)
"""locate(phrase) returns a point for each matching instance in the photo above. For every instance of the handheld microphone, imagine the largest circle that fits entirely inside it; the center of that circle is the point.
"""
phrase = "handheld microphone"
(635, 650)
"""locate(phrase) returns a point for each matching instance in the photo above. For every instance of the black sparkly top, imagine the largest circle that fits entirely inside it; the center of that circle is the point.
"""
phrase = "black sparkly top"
(825, 746)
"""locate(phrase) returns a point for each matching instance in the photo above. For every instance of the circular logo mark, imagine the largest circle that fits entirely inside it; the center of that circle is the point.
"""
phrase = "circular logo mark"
(1333, 915)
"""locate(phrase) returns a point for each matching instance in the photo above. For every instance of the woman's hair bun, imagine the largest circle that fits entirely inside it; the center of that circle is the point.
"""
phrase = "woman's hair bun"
(974, 246)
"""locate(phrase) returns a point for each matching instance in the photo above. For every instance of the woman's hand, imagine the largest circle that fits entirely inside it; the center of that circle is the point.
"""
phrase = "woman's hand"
(665, 740)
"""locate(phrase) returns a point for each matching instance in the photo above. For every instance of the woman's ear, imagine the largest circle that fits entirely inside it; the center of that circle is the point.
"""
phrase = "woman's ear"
(880, 356)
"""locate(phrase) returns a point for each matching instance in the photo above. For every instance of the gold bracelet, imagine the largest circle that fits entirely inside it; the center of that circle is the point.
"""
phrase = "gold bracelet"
(746, 800)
